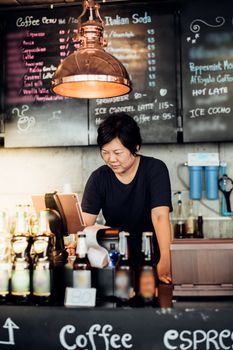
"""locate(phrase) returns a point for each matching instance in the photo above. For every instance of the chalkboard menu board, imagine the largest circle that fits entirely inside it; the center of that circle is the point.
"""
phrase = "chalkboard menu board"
(36, 41)
(1, 87)
(144, 41)
(207, 71)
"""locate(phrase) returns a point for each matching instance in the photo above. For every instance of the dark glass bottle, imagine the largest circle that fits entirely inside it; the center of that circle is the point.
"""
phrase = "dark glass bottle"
(148, 281)
(199, 232)
(113, 255)
(124, 274)
(179, 227)
(42, 276)
(21, 266)
(5, 258)
(81, 266)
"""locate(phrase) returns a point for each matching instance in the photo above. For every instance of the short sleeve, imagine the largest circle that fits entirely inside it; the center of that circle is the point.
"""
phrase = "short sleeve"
(92, 199)
(159, 185)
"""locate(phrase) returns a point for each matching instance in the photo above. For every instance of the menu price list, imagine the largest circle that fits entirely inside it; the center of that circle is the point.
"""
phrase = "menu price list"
(144, 42)
(207, 73)
(36, 43)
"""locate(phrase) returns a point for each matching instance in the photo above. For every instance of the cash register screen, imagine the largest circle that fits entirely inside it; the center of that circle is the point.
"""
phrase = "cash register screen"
(70, 206)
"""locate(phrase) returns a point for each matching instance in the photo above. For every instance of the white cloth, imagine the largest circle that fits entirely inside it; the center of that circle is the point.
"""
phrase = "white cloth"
(97, 255)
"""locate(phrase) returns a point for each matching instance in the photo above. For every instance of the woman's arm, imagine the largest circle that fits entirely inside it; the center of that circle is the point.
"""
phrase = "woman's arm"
(161, 223)
(89, 219)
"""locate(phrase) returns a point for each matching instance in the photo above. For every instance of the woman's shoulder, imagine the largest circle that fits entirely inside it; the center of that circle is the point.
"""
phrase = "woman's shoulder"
(101, 172)
(155, 170)
(99, 178)
(153, 163)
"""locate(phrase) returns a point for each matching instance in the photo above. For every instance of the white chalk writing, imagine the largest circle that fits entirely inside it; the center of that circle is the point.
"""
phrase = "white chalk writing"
(88, 340)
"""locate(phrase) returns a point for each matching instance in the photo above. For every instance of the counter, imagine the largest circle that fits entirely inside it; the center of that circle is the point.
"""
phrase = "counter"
(188, 325)
(202, 267)
(192, 321)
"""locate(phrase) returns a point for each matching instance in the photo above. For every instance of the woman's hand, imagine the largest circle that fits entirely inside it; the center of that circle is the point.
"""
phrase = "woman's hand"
(163, 271)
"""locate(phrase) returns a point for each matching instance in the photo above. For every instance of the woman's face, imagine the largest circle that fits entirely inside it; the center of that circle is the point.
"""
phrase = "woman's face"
(117, 156)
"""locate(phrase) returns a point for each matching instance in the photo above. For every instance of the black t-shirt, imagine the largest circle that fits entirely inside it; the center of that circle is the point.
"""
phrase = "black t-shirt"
(128, 206)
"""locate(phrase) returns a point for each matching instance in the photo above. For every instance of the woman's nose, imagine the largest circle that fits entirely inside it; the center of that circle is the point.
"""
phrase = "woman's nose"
(112, 157)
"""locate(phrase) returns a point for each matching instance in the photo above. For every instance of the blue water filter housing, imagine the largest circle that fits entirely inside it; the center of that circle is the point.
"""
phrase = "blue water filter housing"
(195, 182)
(211, 181)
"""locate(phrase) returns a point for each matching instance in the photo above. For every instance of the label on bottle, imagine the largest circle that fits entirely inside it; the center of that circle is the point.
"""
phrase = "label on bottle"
(147, 284)
(41, 282)
(20, 282)
(113, 258)
(82, 279)
(4, 248)
(20, 245)
(4, 279)
(190, 225)
(40, 246)
(123, 288)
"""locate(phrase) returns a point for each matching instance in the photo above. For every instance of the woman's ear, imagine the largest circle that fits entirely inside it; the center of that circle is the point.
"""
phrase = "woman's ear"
(137, 150)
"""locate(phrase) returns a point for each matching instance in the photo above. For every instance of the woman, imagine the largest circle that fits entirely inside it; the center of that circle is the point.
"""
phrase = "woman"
(132, 190)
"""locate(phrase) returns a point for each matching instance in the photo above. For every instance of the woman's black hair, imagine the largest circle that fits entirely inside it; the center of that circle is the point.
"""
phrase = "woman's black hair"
(124, 127)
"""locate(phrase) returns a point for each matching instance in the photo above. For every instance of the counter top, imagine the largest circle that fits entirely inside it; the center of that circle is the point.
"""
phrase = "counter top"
(203, 241)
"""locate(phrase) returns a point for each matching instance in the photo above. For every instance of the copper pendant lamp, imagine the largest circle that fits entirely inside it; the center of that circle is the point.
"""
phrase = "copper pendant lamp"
(90, 71)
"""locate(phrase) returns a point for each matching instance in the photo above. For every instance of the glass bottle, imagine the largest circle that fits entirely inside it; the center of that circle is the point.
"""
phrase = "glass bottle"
(179, 228)
(148, 281)
(113, 255)
(21, 266)
(81, 266)
(43, 246)
(190, 221)
(5, 257)
(124, 274)
(199, 233)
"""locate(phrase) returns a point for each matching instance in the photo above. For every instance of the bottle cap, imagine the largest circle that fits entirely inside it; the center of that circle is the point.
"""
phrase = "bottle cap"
(147, 233)
(112, 246)
(81, 234)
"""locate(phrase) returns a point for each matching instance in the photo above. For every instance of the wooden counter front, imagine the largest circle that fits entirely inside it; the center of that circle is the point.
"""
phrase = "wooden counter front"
(202, 267)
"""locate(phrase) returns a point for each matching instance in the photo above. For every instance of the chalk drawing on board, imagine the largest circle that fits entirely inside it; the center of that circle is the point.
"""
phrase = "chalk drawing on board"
(195, 27)
(25, 123)
(56, 115)
(163, 92)
(10, 325)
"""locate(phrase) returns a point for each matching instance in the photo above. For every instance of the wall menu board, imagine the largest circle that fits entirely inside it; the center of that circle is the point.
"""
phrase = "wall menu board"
(1, 88)
(36, 41)
(143, 37)
(207, 71)
(144, 41)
